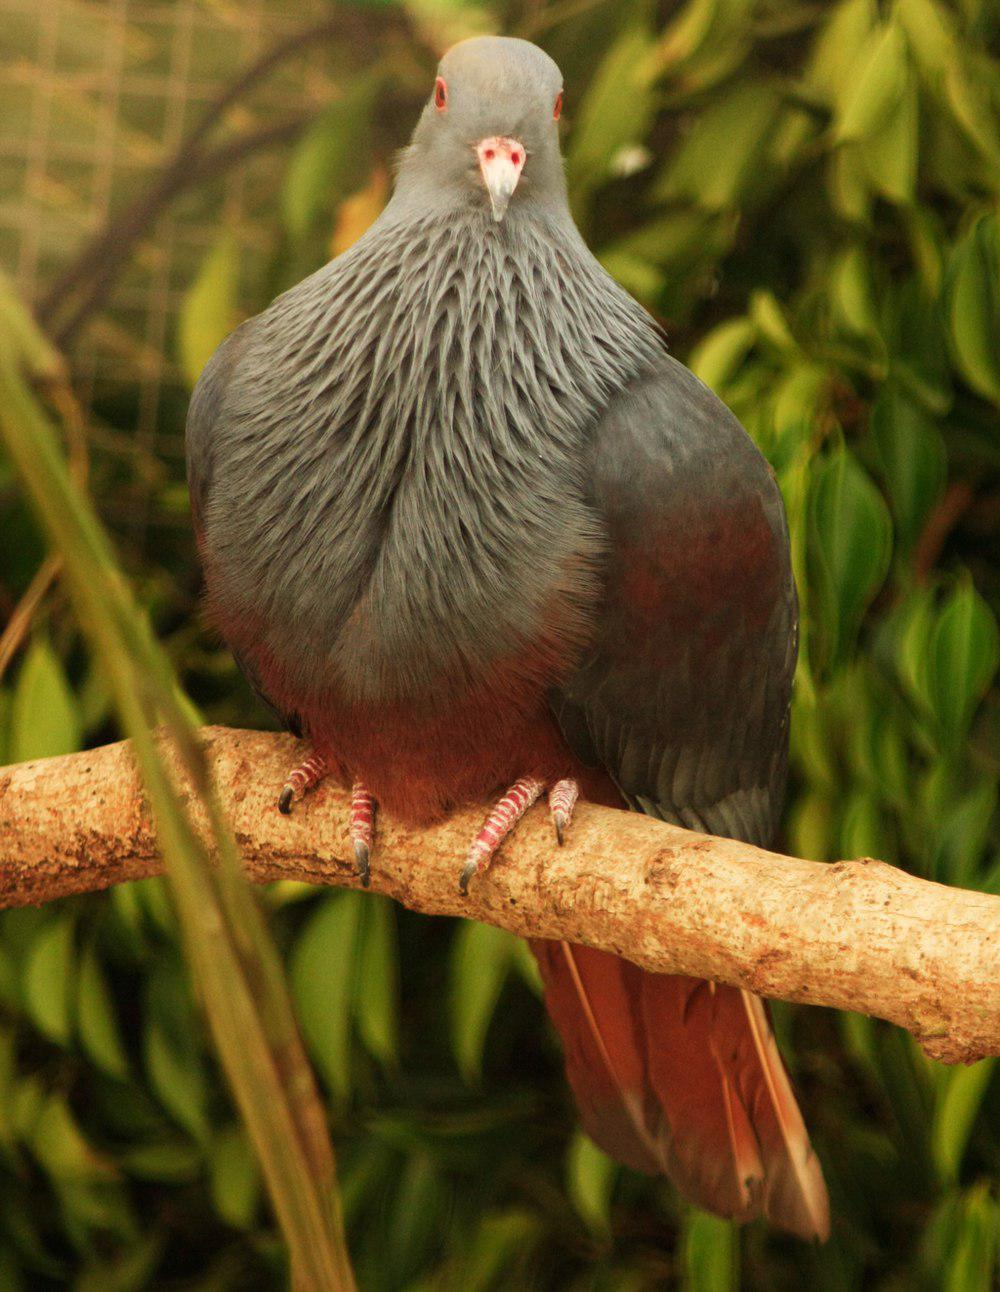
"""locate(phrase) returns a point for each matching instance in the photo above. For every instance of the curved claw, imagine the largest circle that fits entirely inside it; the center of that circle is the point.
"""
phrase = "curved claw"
(302, 778)
(362, 855)
(562, 800)
(362, 829)
(468, 870)
(504, 816)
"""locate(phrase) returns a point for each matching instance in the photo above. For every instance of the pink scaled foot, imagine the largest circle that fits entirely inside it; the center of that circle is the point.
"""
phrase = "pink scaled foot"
(310, 773)
(505, 816)
(362, 829)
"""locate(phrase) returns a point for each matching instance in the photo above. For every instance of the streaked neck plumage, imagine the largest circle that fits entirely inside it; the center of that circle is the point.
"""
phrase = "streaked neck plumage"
(441, 378)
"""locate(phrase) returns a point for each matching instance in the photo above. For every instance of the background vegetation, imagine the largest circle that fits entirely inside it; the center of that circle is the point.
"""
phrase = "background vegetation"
(807, 195)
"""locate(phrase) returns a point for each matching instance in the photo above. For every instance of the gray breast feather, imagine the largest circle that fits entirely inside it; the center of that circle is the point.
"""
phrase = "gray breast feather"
(391, 463)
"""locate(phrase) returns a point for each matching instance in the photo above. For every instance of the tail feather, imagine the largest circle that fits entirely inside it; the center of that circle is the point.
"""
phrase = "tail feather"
(598, 995)
(794, 1179)
(682, 1077)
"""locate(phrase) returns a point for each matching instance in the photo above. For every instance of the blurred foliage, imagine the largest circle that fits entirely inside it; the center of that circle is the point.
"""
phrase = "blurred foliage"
(808, 196)
(240, 979)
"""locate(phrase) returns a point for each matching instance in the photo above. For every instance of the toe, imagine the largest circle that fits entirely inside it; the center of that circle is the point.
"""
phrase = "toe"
(562, 800)
(362, 855)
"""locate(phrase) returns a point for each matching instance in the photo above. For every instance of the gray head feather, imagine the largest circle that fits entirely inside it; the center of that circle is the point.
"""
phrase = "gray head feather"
(496, 86)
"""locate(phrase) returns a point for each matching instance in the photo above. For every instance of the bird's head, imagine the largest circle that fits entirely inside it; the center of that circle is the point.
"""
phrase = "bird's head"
(488, 134)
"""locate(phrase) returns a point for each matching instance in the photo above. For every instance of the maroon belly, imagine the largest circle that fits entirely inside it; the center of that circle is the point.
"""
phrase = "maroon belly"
(462, 743)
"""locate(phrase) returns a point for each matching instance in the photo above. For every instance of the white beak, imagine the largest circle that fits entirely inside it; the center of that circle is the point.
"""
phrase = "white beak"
(501, 162)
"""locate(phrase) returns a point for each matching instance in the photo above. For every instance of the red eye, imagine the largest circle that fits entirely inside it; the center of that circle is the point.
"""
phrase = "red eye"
(440, 94)
(557, 110)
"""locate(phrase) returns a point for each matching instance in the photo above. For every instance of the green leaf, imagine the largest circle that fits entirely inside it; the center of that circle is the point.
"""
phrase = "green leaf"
(960, 835)
(722, 155)
(49, 978)
(616, 110)
(905, 1075)
(771, 322)
(930, 33)
(711, 1254)
(974, 307)
(169, 1162)
(972, 98)
(208, 309)
(849, 184)
(720, 353)
(590, 1181)
(322, 970)
(961, 661)
(415, 1218)
(852, 292)
(6, 703)
(60, 1146)
(238, 971)
(908, 631)
(836, 54)
(912, 457)
(850, 540)
(865, 828)
(327, 161)
(876, 86)
(173, 1056)
(44, 717)
(96, 1022)
(891, 152)
(376, 989)
(972, 1261)
(481, 959)
(234, 1178)
(799, 399)
(8, 1071)
(526, 967)
(958, 1103)
(636, 275)
(498, 1247)
(693, 29)
(812, 827)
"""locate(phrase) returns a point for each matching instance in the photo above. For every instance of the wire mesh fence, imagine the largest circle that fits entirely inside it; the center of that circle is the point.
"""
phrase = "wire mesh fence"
(94, 98)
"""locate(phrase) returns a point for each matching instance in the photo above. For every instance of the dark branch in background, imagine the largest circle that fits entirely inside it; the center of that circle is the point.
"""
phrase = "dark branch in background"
(125, 230)
(857, 935)
(84, 285)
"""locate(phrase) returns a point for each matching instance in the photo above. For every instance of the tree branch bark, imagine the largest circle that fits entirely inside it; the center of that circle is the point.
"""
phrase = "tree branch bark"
(858, 935)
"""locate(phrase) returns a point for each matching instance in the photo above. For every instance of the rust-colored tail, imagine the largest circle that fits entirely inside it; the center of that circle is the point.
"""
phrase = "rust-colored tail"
(682, 1077)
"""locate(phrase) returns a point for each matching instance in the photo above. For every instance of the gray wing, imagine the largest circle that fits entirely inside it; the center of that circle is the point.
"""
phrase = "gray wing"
(684, 697)
(200, 443)
(204, 412)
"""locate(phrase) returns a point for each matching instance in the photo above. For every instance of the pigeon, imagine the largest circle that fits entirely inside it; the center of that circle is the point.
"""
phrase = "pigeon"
(476, 536)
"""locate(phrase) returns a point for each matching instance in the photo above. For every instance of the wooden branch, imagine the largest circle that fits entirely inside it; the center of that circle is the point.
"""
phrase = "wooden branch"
(857, 935)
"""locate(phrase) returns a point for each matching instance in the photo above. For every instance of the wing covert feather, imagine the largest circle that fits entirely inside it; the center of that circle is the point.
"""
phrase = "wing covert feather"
(684, 696)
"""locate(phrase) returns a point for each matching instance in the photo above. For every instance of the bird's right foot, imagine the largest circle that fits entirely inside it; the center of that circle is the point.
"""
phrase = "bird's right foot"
(308, 774)
(301, 780)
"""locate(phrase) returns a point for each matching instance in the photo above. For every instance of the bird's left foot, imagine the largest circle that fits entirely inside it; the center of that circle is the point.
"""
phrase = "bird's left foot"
(362, 829)
(505, 816)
